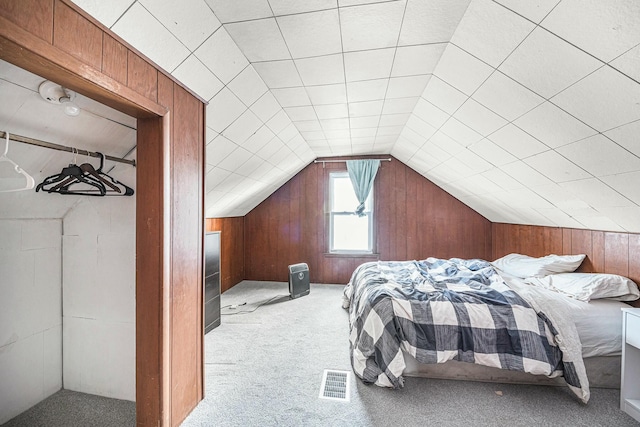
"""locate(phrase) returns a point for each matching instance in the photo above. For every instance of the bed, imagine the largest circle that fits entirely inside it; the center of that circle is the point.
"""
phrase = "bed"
(466, 319)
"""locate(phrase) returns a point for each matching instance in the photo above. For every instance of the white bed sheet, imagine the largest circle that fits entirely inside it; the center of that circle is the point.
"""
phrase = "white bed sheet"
(599, 322)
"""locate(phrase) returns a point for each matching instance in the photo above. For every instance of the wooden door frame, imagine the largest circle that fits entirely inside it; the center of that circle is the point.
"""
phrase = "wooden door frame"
(157, 213)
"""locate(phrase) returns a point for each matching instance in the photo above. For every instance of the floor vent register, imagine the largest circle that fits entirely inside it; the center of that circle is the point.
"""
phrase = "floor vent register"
(335, 385)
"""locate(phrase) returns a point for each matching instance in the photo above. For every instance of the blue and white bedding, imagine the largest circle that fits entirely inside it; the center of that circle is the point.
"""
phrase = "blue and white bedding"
(439, 310)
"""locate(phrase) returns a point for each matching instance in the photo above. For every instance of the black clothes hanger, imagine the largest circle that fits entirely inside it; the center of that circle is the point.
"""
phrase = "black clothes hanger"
(99, 183)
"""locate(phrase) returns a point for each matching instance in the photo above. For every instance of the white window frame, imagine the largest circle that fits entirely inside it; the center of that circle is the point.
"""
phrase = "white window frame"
(332, 214)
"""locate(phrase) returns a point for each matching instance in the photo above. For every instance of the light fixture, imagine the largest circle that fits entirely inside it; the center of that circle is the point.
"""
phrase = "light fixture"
(56, 94)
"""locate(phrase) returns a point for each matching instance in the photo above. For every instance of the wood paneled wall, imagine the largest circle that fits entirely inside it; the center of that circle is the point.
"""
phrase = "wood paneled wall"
(607, 252)
(58, 41)
(414, 219)
(232, 249)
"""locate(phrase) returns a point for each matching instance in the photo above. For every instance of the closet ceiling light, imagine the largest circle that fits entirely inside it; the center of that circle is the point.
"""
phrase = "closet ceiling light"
(56, 94)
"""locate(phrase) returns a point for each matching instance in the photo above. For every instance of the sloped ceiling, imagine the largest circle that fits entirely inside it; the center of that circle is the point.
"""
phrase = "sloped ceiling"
(527, 111)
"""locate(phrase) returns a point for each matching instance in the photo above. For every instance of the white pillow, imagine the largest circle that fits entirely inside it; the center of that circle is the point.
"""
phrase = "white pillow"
(588, 286)
(524, 266)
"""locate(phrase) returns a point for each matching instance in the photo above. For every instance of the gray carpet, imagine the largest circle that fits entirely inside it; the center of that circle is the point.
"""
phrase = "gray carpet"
(264, 368)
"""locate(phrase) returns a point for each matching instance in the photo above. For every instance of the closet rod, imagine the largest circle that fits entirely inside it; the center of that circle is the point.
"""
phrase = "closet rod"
(51, 145)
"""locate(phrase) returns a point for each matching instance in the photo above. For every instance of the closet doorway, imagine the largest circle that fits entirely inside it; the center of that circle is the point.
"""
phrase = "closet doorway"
(58, 41)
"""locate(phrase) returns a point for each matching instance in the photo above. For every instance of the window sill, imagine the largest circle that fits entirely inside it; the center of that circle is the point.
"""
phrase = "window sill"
(351, 255)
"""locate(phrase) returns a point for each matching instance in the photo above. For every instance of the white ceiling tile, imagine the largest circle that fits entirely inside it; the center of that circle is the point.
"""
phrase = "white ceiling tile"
(490, 32)
(430, 113)
(394, 119)
(547, 64)
(278, 74)
(431, 21)
(419, 59)
(560, 197)
(556, 167)
(222, 56)
(371, 26)
(366, 108)
(235, 159)
(259, 40)
(334, 124)
(506, 97)
(245, 126)
(308, 125)
(629, 63)
(218, 149)
(266, 107)
(399, 105)
(502, 179)
(479, 118)
(321, 70)
(247, 168)
(491, 152)
(460, 132)
(625, 184)
(553, 126)
(138, 27)
(333, 111)
(191, 21)
(270, 148)
(364, 122)
(198, 78)
(338, 136)
(248, 86)
(443, 95)
(311, 34)
(369, 90)
(314, 135)
(105, 12)
(223, 109)
(279, 121)
(291, 97)
(431, 154)
(328, 94)
(517, 142)
(297, 114)
(596, 193)
(446, 143)
(258, 140)
(525, 174)
(461, 70)
(289, 7)
(233, 10)
(364, 133)
(288, 133)
(604, 29)
(474, 163)
(534, 10)
(403, 87)
(600, 156)
(408, 135)
(626, 217)
(368, 64)
(422, 128)
(627, 136)
(215, 177)
(604, 99)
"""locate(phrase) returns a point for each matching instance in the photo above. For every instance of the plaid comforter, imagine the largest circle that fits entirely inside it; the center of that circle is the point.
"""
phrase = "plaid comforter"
(438, 310)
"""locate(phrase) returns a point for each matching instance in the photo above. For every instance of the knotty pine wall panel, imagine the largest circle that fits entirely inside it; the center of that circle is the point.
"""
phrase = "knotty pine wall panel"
(606, 252)
(231, 249)
(414, 219)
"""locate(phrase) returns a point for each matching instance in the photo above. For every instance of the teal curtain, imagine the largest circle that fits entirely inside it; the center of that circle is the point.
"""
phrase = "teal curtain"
(362, 173)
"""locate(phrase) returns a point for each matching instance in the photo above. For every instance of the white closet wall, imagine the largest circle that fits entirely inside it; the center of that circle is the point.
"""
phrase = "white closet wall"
(30, 313)
(99, 295)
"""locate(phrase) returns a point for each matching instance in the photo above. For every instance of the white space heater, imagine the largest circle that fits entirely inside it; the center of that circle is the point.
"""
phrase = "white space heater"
(298, 280)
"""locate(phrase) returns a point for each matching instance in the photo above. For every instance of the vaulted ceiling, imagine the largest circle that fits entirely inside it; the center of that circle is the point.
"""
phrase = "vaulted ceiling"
(527, 111)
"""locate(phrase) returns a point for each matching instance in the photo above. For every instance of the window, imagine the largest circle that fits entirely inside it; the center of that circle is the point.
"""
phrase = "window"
(348, 232)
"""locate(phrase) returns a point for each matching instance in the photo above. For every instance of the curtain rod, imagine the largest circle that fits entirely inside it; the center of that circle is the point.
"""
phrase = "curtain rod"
(51, 145)
(338, 161)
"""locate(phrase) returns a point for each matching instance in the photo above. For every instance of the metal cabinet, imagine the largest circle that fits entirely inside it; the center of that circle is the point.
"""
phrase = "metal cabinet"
(211, 280)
